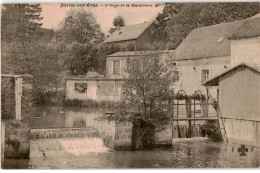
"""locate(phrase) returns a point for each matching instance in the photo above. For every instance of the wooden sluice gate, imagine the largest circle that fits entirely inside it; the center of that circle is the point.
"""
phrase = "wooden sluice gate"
(64, 133)
(190, 114)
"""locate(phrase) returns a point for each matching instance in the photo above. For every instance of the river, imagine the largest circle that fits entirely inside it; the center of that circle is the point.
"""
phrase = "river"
(185, 153)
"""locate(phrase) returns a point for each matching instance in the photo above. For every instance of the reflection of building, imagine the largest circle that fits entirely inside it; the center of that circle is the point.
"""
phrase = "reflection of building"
(47, 117)
(81, 118)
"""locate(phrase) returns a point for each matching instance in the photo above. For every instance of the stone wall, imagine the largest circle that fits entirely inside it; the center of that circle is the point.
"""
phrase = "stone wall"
(242, 131)
(17, 131)
(116, 135)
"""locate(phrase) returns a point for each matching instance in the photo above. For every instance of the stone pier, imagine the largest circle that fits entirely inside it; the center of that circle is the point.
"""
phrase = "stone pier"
(116, 135)
(17, 102)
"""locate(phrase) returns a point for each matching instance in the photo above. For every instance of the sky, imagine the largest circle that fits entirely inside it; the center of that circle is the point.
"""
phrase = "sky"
(104, 13)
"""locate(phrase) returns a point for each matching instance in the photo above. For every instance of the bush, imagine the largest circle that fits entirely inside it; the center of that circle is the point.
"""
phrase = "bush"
(213, 130)
(91, 103)
(14, 143)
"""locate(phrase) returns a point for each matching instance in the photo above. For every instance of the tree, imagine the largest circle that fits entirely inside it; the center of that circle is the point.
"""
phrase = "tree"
(178, 19)
(81, 26)
(20, 22)
(79, 58)
(103, 51)
(118, 21)
(22, 52)
(44, 63)
(147, 88)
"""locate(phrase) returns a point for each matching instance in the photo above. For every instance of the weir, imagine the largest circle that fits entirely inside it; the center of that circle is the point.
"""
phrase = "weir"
(64, 133)
(49, 144)
(181, 131)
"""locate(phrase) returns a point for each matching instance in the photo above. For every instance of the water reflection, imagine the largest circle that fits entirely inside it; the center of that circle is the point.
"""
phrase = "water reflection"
(185, 153)
(59, 117)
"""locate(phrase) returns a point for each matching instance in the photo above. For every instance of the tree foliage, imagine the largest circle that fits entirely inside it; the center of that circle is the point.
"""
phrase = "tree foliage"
(81, 26)
(118, 21)
(40, 60)
(147, 84)
(22, 52)
(178, 19)
(146, 92)
(20, 22)
(80, 58)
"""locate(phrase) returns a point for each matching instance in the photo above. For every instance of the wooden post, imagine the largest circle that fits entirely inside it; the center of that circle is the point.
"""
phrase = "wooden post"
(194, 110)
(2, 143)
(207, 96)
(188, 113)
(173, 106)
(169, 111)
(217, 103)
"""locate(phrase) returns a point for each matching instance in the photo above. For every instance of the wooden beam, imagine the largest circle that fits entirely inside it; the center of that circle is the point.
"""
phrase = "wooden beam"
(197, 118)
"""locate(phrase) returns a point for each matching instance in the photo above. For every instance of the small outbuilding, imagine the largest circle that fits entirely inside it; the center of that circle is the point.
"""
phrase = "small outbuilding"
(239, 102)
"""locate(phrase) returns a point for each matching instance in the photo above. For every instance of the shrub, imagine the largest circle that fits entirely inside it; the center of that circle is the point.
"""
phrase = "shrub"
(14, 143)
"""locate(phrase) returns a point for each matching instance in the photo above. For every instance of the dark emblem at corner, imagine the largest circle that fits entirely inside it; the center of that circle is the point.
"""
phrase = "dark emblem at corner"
(242, 150)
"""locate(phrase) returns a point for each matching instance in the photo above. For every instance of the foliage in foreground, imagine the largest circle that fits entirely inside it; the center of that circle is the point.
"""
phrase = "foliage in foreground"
(147, 90)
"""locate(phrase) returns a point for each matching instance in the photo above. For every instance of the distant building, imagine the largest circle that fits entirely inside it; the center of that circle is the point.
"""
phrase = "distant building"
(104, 88)
(136, 36)
(116, 63)
(94, 87)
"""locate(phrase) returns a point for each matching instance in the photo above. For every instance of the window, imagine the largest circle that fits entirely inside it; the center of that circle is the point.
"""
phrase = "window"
(173, 65)
(116, 67)
(81, 87)
(204, 75)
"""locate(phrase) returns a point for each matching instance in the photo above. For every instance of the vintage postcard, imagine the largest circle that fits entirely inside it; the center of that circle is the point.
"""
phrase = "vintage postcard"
(130, 85)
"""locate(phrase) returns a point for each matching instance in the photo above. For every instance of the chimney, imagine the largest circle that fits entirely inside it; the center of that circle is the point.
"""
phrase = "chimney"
(118, 27)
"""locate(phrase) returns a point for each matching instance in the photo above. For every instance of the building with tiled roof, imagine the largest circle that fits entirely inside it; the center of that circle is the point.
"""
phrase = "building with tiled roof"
(245, 43)
(210, 51)
(132, 35)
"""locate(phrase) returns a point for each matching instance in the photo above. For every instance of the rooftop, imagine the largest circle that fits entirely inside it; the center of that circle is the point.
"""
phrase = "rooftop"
(128, 32)
(210, 41)
(215, 80)
(250, 28)
(135, 53)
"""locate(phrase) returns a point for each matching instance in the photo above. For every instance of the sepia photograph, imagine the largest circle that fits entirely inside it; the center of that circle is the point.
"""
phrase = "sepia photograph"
(130, 85)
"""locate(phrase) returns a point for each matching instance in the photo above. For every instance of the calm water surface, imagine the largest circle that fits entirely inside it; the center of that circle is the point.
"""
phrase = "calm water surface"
(185, 153)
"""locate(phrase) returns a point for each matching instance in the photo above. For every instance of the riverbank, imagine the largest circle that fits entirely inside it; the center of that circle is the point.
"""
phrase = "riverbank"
(58, 98)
